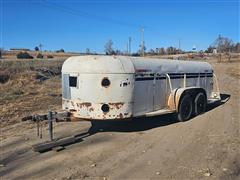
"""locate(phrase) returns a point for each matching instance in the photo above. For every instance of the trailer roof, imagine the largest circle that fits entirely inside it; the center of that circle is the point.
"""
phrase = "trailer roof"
(125, 64)
(170, 66)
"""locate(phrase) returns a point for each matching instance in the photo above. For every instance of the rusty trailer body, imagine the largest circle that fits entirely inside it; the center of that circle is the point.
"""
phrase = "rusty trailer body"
(120, 87)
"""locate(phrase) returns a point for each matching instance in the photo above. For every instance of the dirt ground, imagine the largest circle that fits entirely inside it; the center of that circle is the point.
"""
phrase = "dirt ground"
(205, 147)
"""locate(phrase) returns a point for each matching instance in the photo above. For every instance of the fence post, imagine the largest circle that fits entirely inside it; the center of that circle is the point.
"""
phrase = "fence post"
(50, 125)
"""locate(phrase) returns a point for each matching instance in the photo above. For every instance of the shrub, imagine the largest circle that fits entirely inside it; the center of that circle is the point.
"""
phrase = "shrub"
(49, 56)
(24, 55)
(4, 76)
(60, 51)
(39, 55)
(17, 91)
(36, 48)
(135, 54)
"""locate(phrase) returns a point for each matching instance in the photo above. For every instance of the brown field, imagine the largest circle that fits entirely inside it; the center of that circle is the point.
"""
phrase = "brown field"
(207, 146)
(12, 55)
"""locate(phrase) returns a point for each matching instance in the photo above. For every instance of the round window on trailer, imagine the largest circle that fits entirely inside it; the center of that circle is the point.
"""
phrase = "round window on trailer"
(105, 82)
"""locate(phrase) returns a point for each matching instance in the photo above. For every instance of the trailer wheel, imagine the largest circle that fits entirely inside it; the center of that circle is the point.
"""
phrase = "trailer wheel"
(185, 108)
(200, 103)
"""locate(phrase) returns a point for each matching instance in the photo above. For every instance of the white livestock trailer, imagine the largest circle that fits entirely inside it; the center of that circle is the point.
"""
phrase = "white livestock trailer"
(120, 87)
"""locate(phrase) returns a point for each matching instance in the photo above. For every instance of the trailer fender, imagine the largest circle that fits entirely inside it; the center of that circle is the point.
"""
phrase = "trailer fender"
(176, 95)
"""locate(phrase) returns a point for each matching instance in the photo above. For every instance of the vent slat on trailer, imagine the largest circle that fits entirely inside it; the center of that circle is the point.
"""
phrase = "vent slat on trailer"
(65, 89)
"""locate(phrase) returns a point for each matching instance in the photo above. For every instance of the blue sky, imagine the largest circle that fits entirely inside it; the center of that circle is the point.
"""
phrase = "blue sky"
(77, 25)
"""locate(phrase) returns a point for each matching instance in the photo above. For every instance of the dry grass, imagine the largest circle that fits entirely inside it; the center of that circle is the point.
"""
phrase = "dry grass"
(220, 58)
(13, 54)
(235, 72)
(23, 94)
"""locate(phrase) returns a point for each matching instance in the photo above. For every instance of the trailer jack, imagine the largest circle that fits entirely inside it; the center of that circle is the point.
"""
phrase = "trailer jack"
(53, 143)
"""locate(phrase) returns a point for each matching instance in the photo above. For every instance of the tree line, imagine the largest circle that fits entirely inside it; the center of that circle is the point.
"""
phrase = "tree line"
(224, 45)
(220, 45)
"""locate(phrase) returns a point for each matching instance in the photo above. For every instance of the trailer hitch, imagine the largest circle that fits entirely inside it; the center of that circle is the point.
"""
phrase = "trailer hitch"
(52, 116)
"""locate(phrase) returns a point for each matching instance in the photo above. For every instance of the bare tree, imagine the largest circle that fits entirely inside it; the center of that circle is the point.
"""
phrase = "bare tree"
(108, 48)
(1, 52)
(223, 44)
(171, 50)
(237, 48)
(118, 52)
(142, 50)
(88, 51)
(162, 51)
(209, 49)
(151, 52)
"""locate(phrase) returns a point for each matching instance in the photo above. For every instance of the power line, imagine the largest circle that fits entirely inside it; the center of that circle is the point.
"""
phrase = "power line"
(85, 14)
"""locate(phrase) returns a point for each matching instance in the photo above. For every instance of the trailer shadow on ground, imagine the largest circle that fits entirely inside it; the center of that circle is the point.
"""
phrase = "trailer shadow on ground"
(134, 125)
(145, 123)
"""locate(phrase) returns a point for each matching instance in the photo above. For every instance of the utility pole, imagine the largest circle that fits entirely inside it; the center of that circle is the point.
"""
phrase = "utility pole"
(179, 45)
(129, 45)
(142, 31)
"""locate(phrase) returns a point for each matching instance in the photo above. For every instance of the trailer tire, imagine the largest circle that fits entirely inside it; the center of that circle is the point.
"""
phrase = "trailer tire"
(200, 103)
(185, 108)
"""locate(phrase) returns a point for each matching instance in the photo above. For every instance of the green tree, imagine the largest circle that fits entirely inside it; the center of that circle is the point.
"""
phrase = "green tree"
(36, 48)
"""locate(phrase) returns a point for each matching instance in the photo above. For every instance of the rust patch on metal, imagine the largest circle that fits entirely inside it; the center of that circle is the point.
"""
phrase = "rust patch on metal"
(177, 99)
(117, 105)
(85, 104)
(65, 100)
(91, 109)
(121, 115)
(173, 100)
(170, 103)
(74, 118)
